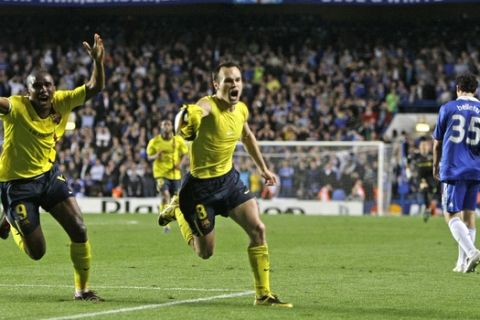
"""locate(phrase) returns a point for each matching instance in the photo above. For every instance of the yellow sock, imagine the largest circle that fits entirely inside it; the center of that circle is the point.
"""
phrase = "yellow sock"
(17, 237)
(183, 225)
(260, 263)
(81, 256)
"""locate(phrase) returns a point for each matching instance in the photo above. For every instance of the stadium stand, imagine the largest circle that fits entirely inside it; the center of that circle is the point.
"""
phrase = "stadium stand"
(306, 80)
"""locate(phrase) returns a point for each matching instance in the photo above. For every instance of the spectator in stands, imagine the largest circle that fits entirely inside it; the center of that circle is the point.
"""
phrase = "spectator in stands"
(325, 193)
(357, 192)
(286, 173)
(312, 83)
(266, 133)
(97, 172)
(312, 181)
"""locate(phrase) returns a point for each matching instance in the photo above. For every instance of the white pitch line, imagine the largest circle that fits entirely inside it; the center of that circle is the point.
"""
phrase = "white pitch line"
(117, 287)
(151, 306)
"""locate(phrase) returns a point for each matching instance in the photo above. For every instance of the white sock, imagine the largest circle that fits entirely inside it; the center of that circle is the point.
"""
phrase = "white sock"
(460, 233)
(473, 234)
(462, 257)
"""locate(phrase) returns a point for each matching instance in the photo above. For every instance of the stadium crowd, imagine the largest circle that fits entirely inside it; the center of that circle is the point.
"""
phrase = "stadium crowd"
(304, 80)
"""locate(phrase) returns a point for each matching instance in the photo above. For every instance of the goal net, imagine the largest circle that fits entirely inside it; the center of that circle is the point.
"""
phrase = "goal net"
(328, 175)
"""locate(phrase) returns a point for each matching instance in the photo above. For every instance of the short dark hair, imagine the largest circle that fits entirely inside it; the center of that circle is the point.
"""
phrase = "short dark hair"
(467, 82)
(37, 73)
(226, 64)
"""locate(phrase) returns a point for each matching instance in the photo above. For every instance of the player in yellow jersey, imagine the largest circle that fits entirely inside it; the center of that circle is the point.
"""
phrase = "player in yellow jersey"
(29, 178)
(168, 153)
(213, 187)
(4, 225)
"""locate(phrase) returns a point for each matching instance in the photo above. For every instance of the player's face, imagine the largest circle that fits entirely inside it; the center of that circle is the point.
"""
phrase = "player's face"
(166, 127)
(41, 89)
(229, 86)
(424, 147)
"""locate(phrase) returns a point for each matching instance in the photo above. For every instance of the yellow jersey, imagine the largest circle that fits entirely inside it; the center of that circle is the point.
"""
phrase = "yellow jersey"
(211, 153)
(29, 141)
(172, 153)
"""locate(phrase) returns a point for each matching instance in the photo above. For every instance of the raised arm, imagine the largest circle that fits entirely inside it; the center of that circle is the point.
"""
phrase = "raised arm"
(4, 105)
(250, 143)
(97, 79)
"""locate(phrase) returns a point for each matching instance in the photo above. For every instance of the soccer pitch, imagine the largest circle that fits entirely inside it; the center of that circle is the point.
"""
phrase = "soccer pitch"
(328, 267)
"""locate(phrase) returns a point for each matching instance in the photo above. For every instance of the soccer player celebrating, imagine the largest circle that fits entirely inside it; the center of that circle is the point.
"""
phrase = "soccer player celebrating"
(456, 163)
(213, 187)
(168, 152)
(29, 177)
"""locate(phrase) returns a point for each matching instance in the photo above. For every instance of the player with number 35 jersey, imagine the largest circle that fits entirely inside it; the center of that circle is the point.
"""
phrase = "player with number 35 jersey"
(458, 127)
(456, 162)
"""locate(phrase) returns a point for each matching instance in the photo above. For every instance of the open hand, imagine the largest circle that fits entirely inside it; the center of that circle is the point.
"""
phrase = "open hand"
(97, 52)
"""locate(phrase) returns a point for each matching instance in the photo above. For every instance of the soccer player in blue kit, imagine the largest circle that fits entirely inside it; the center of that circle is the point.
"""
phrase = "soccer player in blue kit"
(456, 163)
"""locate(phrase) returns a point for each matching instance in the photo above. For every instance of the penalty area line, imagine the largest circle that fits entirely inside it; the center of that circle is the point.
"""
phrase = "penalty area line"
(151, 306)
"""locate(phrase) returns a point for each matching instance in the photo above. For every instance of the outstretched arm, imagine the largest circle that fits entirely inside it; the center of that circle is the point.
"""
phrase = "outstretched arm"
(250, 143)
(97, 79)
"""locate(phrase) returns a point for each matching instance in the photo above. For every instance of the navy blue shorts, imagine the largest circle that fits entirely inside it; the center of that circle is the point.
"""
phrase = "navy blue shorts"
(202, 199)
(164, 184)
(22, 198)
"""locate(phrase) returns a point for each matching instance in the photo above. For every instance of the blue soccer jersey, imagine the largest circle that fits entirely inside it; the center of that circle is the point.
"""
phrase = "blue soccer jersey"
(458, 127)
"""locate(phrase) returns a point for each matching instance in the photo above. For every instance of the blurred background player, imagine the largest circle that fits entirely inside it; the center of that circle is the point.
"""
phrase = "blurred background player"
(168, 153)
(213, 186)
(456, 163)
(427, 186)
(4, 225)
(29, 177)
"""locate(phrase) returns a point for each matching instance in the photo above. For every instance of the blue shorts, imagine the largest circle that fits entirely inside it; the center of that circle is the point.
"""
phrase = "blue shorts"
(164, 184)
(202, 199)
(22, 198)
(460, 195)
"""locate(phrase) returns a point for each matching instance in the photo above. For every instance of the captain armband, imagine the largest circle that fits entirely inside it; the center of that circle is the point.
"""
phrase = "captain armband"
(187, 121)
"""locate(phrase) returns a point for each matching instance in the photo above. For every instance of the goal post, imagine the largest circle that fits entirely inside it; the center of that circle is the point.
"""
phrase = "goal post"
(326, 171)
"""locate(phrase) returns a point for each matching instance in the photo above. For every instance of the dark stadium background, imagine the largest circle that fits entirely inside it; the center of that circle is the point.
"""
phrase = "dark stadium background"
(291, 28)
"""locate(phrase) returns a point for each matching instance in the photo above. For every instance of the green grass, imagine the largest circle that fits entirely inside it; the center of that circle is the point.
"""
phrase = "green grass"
(329, 267)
